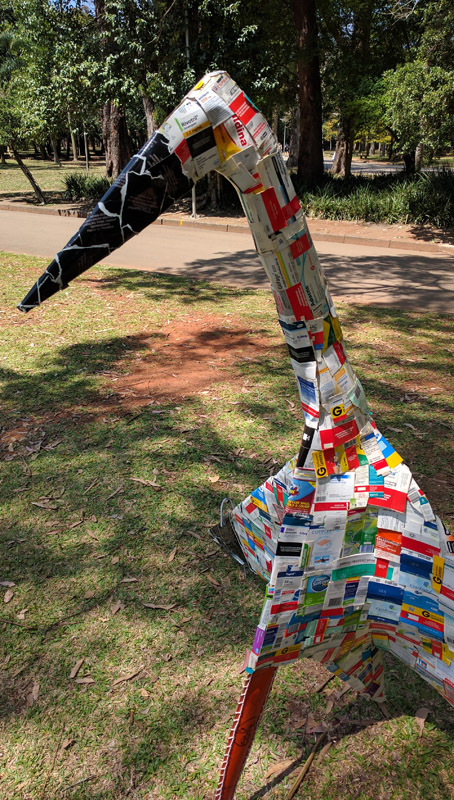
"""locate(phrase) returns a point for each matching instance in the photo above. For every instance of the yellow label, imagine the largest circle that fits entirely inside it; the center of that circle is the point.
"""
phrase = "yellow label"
(293, 648)
(326, 330)
(319, 464)
(448, 655)
(197, 128)
(394, 459)
(340, 452)
(337, 411)
(225, 144)
(437, 573)
(422, 612)
(337, 329)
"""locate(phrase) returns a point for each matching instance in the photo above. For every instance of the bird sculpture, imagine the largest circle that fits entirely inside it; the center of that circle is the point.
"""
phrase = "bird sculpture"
(355, 560)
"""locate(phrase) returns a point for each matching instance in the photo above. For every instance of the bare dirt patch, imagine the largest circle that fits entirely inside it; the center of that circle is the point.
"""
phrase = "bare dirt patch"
(189, 356)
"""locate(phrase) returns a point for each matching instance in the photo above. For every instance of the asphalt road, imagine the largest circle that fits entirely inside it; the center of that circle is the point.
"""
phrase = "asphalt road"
(368, 167)
(360, 274)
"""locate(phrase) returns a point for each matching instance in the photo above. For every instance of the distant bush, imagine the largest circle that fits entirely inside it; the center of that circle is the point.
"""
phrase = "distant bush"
(81, 186)
(425, 198)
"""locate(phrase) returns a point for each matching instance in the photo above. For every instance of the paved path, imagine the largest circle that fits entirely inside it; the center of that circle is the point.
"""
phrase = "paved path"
(361, 274)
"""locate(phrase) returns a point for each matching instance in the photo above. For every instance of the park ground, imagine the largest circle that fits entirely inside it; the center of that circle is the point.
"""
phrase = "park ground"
(132, 404)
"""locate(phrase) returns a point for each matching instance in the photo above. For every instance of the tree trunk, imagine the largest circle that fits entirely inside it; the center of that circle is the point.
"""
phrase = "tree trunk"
(115, 138)
(148, 107)
(2, 154)
(418, 157)
(372, 149)
(293, 146)
(43, 152)
(53, 142)
(342, 164)
(28, 175)
(409, 161)
(310, 153)
(73, 139)
(275, 122)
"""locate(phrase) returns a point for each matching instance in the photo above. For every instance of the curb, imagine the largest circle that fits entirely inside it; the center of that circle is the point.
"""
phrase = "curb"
(238, 227)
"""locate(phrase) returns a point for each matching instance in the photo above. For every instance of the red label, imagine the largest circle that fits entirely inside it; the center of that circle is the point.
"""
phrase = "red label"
(182, 151)
(292, 605)
(273, 209)
(298, 302)
(393, 499)
(381, 568)
(242, 108)
(345, 432)
(340, 352)
(420, 547)
(352, 457)
(332, 612)
(291, 208)
(331, 506)
(300, 246)
(437, 649)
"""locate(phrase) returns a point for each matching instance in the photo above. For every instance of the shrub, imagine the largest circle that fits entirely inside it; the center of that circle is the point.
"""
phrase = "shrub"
(80, 186)
(424, 198)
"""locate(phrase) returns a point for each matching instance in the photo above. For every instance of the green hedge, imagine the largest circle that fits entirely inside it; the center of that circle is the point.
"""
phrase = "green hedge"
(424, 198)
(81, 186)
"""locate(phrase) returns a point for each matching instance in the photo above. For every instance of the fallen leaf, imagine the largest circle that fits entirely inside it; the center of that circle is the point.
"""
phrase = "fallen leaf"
(129, 579)
(118, 490)
(21, 614)
(195, 535)
(84, 681)
(420, 718)
(168, 657)
(7, 583)
(409, 425)
(92, 485)
(172, 555)
(145, 482)
(280, 766)
(89, 594)
(76, 524)
(144, 692)
(53, 445)
(32, 696)
(93, 536)
(159, 606)
(9, 594)
(117, 606)
(76, 668)
(329, 706)
(213, 581)
(128, 677)
(115, 560)
(67, 743)
(47, 506)
(214, 479)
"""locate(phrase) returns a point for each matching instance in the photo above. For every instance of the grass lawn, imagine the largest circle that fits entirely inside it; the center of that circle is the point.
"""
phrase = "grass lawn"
(49, 176)
(132, 404)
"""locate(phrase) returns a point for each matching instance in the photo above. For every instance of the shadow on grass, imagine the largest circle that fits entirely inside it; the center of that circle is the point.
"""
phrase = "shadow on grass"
(149, 524)
(159, 287)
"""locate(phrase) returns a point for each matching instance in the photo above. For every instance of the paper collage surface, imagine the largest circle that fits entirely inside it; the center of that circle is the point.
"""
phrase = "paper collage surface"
(355, 560)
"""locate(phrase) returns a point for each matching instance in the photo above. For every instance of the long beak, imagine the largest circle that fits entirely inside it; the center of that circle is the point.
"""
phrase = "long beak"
(148, 185)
